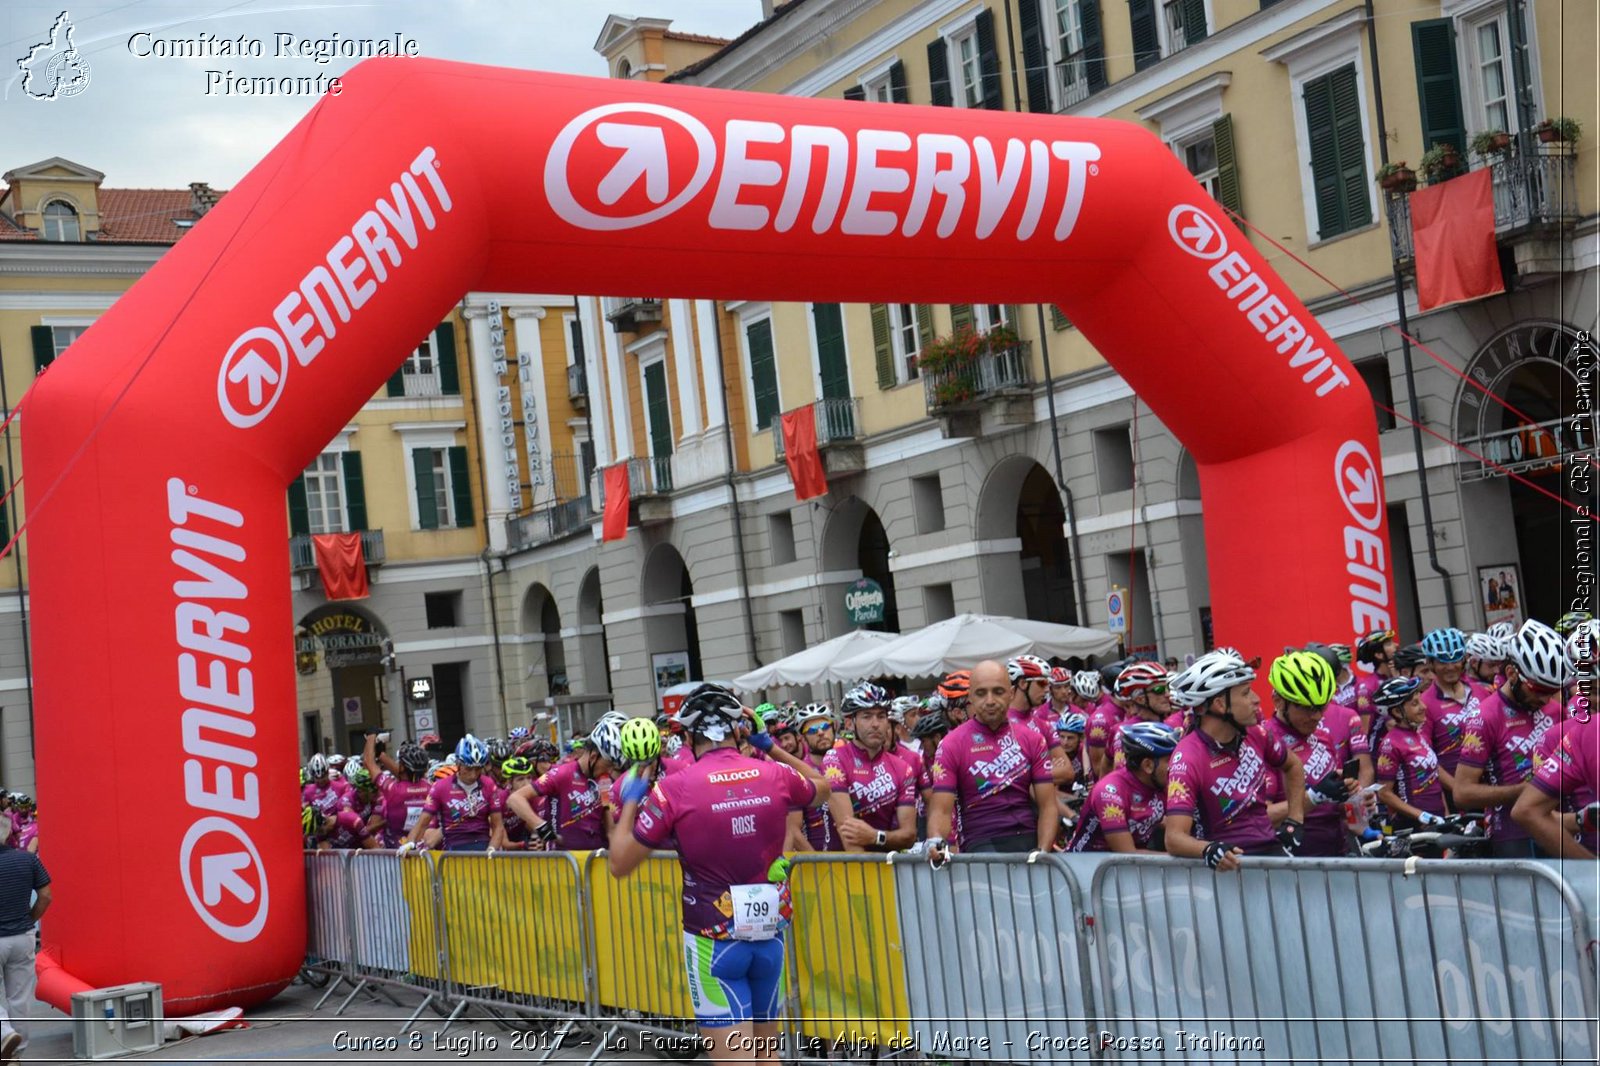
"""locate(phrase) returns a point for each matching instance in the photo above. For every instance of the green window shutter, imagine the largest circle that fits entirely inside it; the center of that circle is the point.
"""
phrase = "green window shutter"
(1227, 165)
(1014, 317)
(355, 492)
(460, 487)
(924, 326)
(1194, 22)
(883, 347)
(444, 342)
(397, 383)
(1146, 40)
(659, 408)
(989, 62)
(1433, 46)
(427, 506)
(763, 373)
(1094, 45)
(1035, 60)
(855, 92)
(1324, 157)
(1353, 182)
(939, 72)
(44, 347)
(897, 84)
(299, 509)
(1058, 320)
(961, 317)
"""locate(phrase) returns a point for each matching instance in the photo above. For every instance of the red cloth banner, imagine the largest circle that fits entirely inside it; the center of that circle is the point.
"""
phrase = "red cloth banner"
(1452, 232)
(342, 564)
(800, 450)
(615, 525)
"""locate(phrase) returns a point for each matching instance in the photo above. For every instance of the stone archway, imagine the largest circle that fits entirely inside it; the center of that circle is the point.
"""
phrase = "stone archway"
(855, 541)
(351, 644)
(671, 635)
(1019, 501)
(547, 656)
(596, 657)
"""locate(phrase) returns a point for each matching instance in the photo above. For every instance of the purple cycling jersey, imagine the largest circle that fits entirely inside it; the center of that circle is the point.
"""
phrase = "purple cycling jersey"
(349, 830)
(1041, 721)
(727, 817)
(1407, 764)
(1337, 739)
(26, 833)
(1571, 772)
(1225, 789)
(328, 798)
(992, 776)
(878, 786)
(1501, 741)
(401, 802)
(1119, 803)
(462, 813)
(576, 804)
(818, 821)
(1448, 718)
(1345, 694)
(908, 753)
(1103, 719)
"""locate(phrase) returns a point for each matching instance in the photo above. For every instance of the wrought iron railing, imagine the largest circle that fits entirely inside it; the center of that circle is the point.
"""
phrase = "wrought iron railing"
(837, 419)
(302, 556)
(421, 384)
(1072, 80)
(616, 307)
(568, 509)
(1533, 189)
(979, 378)
(650, 475)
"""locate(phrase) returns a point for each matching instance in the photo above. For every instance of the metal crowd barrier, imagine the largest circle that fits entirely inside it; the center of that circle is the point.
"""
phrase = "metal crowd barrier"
(1002, 958)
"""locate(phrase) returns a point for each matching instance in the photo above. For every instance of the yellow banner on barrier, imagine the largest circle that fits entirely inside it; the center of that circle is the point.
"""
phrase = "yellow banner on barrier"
(416, 885)
(638, 924)
(514, 923)
(848, 957)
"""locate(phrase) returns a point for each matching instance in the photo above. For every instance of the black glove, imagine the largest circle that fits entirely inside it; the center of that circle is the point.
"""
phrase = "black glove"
(1291, 834)
(546, 830)
(1330, 789)
(1214, 853)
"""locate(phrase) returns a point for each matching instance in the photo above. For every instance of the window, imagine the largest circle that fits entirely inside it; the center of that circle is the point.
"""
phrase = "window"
(421, 370)
(430, 370)
(325, 495)
(938, 603)
(878, 90)
(49, 342)
(763, 373)
(60, 222)
(1113, 458)
(1375, 372)
(907, 342)
(969, 68)
(780, 531)
(657, 408)
(792, 624)
(1335, 136)
(624, 69)
(1183, 23)
(991, 316)
(1489, 44)
(927, 499)
(443, 609)
(443, 489)
(1069, 83)
(1199, 155)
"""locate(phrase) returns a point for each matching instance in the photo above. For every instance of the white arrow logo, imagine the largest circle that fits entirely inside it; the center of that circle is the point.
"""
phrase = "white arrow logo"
(644, 153)
(1196, 232)
(218, 872)
(254, 370)
(1364, 485)
(1356, 477)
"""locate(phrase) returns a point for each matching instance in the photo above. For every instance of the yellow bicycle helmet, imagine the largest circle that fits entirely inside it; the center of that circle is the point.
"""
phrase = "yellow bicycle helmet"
(1303, 677)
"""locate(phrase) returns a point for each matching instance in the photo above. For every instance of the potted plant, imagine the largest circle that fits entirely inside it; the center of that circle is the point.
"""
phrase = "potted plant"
(1491, 142)
(1440, 162)
(1397, 177)
(1000, 339)
(1559, 128)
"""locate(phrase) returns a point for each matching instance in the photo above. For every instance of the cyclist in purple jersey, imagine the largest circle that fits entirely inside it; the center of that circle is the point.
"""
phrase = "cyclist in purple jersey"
(1498, 748)
(576, 819)
(1103, 722)
(955, 690)
(1486, 658)
(1217, 780)
(1124, 810)
(1030, 681)
(816, 732)
(725, 816)
(995, 773)
(1452, 699)
(1323, 736)
(1062, 700)
(323, 791)
(1408, 770)
(874, 794)
(1571, 773)
(465, 805)
(403, 791)
(348, 831)
(1375, 651)
(931, 729)
(515, 834)
(1141, 688)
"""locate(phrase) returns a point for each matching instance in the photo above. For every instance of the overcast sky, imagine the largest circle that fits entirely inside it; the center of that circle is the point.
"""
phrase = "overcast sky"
(148, 121)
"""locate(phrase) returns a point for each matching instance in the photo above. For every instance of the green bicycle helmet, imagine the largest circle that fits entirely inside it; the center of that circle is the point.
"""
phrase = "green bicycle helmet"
(641, 740)
(1303, 677)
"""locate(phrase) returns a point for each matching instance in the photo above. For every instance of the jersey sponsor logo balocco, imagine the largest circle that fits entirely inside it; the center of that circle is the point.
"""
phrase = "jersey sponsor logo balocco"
(1361, 489)
(726, 777)
(775, 177)
(1197, 233)
(256, 367)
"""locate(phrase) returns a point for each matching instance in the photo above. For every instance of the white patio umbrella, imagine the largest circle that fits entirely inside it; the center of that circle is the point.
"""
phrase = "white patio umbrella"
(806, 667)
(966, 640)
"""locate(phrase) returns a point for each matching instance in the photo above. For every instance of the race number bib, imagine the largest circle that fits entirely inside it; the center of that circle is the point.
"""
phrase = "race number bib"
(412, 814)
(756, 911)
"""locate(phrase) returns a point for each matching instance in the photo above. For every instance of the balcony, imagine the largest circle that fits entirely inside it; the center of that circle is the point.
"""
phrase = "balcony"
(1072, 80)
(578, 386)
(1535, 205)
(628, 314)
(567, 511)
(997, 381)
(838, 439)
(649, 485)
(303, 558)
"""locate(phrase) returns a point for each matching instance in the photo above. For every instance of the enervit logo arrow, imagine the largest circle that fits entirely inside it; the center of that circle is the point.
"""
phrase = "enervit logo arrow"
(232, 890)
(1359, 487)
(1196, 232)
(575, 159)
(252, 376)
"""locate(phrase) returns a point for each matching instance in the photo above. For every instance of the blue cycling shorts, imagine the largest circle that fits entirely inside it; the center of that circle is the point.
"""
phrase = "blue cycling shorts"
(733, 981)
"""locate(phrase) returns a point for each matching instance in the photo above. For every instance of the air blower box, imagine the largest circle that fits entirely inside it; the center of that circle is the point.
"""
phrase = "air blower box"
(115, 1021)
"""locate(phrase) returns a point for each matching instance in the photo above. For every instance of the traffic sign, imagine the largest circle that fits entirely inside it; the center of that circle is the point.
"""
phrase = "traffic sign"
(1116, 610)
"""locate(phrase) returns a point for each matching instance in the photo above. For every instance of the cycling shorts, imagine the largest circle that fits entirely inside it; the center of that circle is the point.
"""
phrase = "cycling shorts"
(733, 981)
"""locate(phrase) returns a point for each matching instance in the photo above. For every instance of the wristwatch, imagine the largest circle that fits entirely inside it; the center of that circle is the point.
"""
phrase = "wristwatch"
(883, 838)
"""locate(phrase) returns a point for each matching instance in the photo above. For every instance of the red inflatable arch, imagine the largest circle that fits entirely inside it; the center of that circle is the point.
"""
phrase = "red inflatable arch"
(159, 451)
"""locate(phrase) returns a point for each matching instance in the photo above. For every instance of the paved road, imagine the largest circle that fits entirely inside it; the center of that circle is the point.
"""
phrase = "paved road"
(288, 1029)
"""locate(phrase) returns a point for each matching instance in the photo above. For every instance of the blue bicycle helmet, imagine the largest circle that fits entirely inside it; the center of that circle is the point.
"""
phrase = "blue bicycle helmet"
(470, 751)
(1072, 723)
(1147, 740)
(1445, 645)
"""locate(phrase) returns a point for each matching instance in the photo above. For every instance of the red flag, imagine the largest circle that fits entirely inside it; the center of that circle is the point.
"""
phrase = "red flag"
(615, 524)
(1452, 231)
(342, 564)
(800, 448)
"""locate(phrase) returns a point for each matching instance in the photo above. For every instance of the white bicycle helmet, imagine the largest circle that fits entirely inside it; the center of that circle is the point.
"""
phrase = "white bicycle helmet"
(1086, 683)
(1540, 655)
(317, 766)
(1213, 674)
(1485, 648)
(902, 706)
(606, 736)
(811, 712)
(1503, 632)
(1583, 650)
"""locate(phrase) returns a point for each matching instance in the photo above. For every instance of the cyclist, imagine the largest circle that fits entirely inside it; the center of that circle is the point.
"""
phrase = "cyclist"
(1486, 657)
(1497, 750)
(1376, 651)
(1086, 691)
(1070, 729)
(576, 818)
(1452, 699)
(904, 712)
(816, 732)
(465, 803)
(514, 832)
(639, 744)
(336, 766)
(1411, 661)
(1571, 775)
(1570, 621)
(322, 790)
(783, 731)
(1125, 809)
(1216, 782)
(1030, 680)
(1408, 768)
(364, 796)
(874, 793)
(1324, 736)
(1062, 698)
(956, 689)
(733, 915)
(1344, 681)
(994, 774)
(25, 823)
(1103, 722)
(1142, 690)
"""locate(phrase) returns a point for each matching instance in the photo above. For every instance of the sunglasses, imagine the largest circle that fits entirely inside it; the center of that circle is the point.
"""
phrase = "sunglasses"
(1158, 690)
(813, 730)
